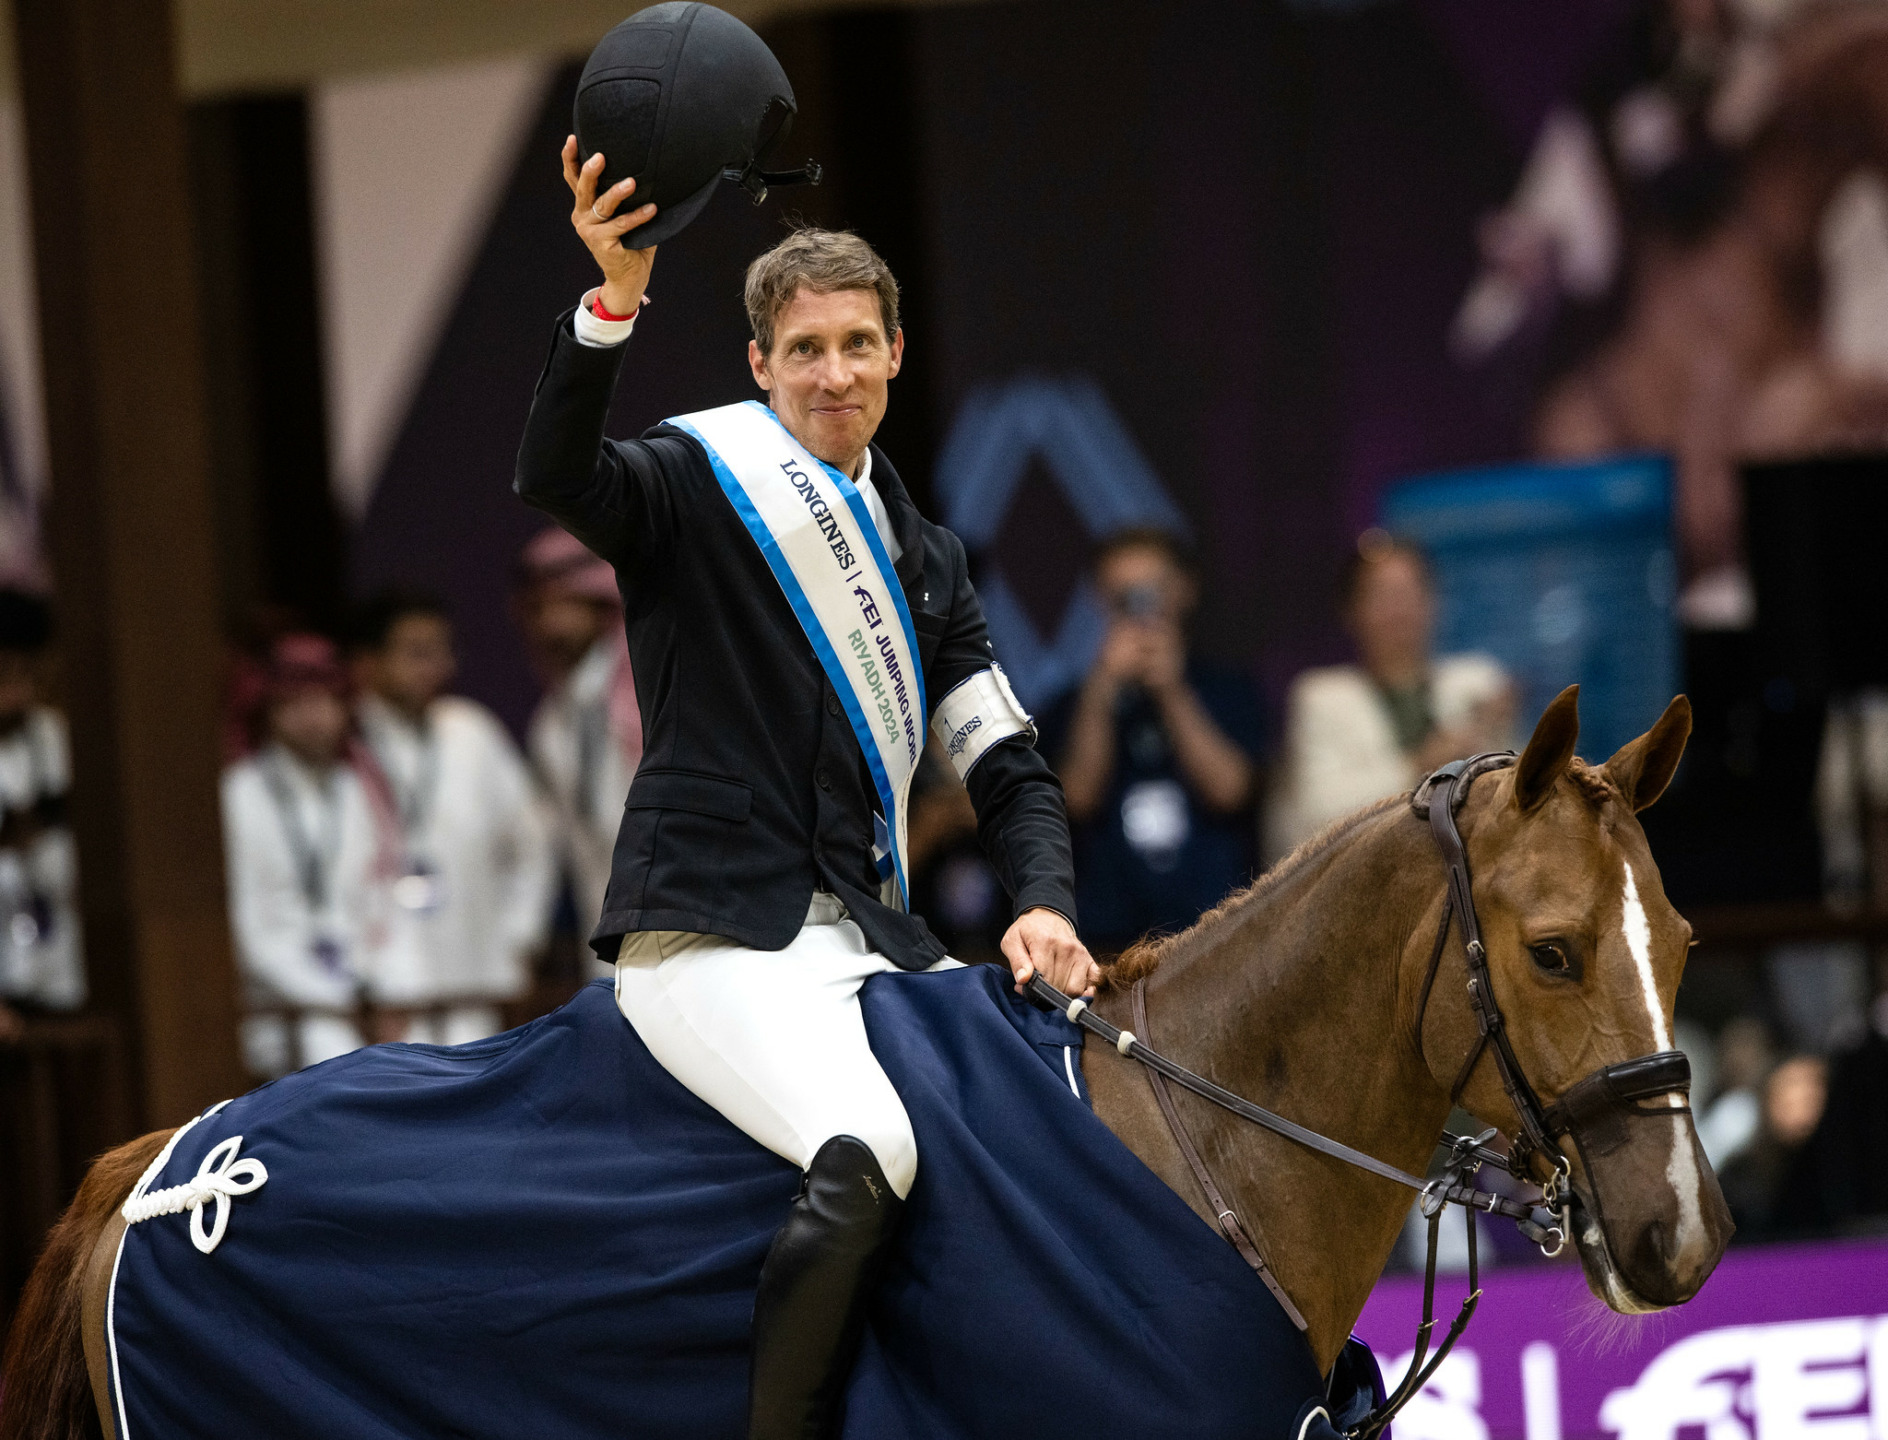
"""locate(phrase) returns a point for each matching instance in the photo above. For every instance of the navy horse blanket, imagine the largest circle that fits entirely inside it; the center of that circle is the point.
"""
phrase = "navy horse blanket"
(543, 1234)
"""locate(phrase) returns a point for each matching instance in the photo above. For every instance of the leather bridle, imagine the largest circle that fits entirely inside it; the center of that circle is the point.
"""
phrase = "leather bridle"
(1592, 1111)
(1594, 1099)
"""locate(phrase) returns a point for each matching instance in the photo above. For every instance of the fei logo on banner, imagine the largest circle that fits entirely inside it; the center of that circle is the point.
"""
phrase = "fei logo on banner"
(1784, 1341)
(1788, 1380)
(1818, 1379)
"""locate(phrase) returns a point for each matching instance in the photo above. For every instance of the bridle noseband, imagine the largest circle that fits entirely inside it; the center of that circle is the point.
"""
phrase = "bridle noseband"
(1597, 1102)
(1593, 1113)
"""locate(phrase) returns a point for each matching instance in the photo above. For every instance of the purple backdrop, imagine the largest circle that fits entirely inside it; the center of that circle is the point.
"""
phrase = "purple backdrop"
(1783, 1341)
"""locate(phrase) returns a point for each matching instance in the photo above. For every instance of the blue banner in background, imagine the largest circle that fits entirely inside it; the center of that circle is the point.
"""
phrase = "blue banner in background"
(1564, 573)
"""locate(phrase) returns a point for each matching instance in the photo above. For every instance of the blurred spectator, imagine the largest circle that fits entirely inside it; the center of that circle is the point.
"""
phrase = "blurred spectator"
(41, 958)
(586, 737)
(1758, 1183)
(475, 874)
(1732, 1121)
(308, 868)
(1852, 800)
(1356, 733)
(1840, 1182)
(1156, 754)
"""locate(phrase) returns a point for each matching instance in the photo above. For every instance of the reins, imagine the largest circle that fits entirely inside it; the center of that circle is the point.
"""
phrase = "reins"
(1597, 1104)
(1467, 1154)
(1474, 1150)
(1438, 796)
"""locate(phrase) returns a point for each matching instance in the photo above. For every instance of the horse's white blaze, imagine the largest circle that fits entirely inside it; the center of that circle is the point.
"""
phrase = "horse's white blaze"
(1681, 1171)
(1639, 945)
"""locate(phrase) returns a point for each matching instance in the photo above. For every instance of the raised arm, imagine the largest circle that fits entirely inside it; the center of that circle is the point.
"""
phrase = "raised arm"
(595, 219)
(596, 489)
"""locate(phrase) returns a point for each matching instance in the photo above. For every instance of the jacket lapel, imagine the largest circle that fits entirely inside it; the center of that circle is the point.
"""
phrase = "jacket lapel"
(904, 517)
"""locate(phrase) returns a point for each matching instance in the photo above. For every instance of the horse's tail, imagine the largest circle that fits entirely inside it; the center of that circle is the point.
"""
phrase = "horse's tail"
(45, 1388)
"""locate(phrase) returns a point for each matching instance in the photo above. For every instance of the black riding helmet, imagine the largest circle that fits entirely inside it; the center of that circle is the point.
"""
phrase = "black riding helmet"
(680, 96)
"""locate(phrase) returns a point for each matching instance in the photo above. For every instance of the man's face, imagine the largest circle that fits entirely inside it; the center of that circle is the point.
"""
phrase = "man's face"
(312, 723)
(415, 665)
(828, 374)
(1141, 583)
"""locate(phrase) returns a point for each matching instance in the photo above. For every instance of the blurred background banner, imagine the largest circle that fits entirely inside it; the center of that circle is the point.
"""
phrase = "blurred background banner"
(1565, 574)
(1304, 251)
(1587, 299)
(1013, 450)
(1791, 1341)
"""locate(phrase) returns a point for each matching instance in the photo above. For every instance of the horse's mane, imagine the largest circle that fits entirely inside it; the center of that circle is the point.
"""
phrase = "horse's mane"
(48, 1390)
(1141, 959)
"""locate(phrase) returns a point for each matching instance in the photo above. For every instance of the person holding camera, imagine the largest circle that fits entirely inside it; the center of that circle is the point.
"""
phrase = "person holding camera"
(1157, 755)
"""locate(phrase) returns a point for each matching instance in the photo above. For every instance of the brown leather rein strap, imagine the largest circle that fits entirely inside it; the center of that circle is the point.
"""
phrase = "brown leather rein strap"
(1447, 1189)
(1600, 1105)
(1228, 1219)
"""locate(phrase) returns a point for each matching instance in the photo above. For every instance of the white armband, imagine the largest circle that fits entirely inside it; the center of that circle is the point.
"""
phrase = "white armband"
(975, 715)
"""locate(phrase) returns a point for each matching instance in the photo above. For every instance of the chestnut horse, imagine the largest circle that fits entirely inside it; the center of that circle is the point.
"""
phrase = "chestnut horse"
(1303, 993)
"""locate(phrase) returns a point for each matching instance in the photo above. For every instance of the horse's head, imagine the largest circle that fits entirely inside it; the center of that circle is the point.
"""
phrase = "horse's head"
(1585, 953)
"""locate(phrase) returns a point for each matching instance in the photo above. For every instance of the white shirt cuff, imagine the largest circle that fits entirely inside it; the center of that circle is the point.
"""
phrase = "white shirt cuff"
(599, 334)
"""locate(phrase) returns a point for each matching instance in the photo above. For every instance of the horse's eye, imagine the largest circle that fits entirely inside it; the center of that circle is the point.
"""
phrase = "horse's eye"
(1552, 956)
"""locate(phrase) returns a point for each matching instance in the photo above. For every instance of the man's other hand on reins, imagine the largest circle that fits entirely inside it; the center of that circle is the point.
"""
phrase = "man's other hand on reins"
(1040, 941)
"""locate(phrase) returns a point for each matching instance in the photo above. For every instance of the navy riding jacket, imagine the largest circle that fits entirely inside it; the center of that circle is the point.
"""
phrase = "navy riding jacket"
(753, 790)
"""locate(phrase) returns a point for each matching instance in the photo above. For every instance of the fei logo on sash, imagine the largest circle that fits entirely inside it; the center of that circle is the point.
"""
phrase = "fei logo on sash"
(818, 538)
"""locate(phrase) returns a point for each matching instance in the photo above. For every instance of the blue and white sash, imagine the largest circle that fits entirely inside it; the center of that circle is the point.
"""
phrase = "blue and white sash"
(813, 526)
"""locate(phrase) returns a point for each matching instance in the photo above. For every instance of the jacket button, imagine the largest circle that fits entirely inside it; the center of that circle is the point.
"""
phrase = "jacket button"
(832, 706)
(823, 780)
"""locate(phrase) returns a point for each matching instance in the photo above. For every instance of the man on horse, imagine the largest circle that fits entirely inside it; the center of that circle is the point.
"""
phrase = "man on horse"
(796, 627)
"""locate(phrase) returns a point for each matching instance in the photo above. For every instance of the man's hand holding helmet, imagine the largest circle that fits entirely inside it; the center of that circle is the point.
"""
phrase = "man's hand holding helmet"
(601, 223)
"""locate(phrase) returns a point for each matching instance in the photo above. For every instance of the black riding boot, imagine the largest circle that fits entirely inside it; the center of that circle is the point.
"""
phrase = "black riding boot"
(809, 1314)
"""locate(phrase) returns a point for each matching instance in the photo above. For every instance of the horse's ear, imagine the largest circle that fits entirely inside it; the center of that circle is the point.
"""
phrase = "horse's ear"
(1643, 767)
(1547, 753)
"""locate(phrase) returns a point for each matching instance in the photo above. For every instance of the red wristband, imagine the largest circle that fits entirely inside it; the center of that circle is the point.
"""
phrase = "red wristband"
(596, 309)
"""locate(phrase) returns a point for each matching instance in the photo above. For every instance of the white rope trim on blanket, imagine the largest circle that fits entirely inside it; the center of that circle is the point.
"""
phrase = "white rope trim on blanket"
(156, 1167)
(151, 1172)
(219, 1178)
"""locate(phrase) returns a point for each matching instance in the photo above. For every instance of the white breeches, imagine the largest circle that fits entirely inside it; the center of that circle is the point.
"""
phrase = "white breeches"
(773, 1039)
